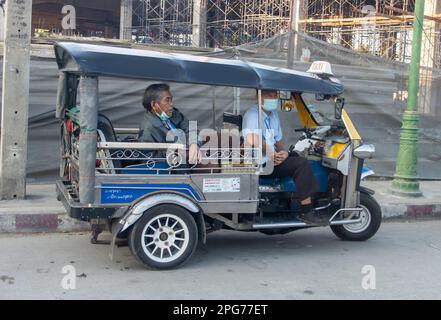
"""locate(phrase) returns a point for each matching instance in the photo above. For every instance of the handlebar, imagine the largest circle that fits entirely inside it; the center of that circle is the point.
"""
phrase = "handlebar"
(308, 134)
(305, 129)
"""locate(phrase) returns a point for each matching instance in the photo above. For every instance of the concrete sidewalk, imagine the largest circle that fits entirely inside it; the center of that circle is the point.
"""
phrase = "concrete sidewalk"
(41, 212)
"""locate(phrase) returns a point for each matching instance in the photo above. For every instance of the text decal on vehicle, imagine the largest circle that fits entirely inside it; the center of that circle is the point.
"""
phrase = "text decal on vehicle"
(222, 185)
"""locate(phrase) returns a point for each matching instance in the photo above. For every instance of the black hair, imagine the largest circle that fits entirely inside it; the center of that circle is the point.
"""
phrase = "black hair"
(153, 93)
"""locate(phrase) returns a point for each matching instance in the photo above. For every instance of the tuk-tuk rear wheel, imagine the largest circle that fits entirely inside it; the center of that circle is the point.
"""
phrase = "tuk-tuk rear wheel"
(165, 237)
(370, 221)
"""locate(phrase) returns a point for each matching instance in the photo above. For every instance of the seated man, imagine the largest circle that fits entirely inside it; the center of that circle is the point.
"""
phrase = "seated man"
(296, 167)
(161, 117)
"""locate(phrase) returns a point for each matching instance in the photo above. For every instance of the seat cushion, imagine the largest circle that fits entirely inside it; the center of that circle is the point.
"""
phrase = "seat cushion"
(286, 184)
(147, 168)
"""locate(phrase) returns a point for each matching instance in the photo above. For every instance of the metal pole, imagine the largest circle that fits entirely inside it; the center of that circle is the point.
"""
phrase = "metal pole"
(214, 108)
(15, 99)
(236, 93)
(88, 137)
(406, 175)
(293, 29)
(261, 132)
(61, 95)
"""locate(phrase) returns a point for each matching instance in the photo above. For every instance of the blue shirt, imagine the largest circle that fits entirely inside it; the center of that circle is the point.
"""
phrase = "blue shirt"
(271, 128)
(170, 125)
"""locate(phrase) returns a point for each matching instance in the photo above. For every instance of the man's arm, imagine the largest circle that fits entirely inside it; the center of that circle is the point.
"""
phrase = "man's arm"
(194, 155)
(281, 154)
(280, 146)
(146, 133)
(252, 141)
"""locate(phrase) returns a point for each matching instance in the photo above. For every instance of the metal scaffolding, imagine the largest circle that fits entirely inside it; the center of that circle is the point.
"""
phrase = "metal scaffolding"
(229, 22)
(379, 27)
(162, 21)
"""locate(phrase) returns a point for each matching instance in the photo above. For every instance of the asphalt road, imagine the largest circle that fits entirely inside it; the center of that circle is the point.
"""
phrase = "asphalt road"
(401, 262)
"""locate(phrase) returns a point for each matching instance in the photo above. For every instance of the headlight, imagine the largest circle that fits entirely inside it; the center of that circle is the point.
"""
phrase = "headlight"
(365, 151)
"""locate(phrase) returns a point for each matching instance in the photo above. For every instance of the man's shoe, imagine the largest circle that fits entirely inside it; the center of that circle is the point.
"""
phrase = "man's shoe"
(312, 217)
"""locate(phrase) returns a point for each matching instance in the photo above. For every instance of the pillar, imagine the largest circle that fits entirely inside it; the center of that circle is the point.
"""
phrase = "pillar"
(15, 99)
(125, 29)
(298, 12)
(430, 93)
(199, 23)
(88, 138)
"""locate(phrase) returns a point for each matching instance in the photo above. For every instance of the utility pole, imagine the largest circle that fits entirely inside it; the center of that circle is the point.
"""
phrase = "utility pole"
(406, 175)
(15, 99)
(294, 14)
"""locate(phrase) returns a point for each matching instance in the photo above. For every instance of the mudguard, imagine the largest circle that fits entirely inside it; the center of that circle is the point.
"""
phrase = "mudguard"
(135, 212)
(127, 216)
(366, 172)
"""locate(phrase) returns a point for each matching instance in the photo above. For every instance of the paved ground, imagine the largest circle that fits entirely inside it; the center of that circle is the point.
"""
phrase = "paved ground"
(307, 264)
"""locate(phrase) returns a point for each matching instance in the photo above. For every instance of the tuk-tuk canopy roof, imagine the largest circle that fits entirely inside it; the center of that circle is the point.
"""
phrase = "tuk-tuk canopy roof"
(95, 60)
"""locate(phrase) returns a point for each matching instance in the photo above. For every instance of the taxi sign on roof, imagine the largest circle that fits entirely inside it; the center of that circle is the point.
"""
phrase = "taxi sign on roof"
(321, 67)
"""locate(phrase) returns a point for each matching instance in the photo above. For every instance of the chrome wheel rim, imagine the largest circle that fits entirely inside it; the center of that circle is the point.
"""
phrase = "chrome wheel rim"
(165, 238)
(365, 217)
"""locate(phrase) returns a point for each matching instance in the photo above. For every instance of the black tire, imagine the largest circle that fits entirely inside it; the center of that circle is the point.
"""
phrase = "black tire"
(144, 242)
(372, 213)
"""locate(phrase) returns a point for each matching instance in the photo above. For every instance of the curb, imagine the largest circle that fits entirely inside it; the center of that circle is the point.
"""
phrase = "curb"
(41, 223)
(411, 211)
(61, 222)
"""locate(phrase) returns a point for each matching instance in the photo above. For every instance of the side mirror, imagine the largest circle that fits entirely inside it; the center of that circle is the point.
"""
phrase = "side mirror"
(339, 104)
(322, 97)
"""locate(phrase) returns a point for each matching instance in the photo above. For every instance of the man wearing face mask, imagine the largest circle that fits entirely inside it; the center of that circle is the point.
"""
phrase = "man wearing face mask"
(161, 117)
(296, 167)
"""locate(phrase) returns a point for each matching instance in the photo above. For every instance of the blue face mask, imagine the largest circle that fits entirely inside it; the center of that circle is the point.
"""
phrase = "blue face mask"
(163, 116)
(270, 104)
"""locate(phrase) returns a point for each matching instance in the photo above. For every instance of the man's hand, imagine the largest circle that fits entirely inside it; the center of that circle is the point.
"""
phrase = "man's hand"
(194, 154)
(280, 156)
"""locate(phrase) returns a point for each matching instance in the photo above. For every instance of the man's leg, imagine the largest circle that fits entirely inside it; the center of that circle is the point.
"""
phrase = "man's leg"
(300, 170)
(306, 185)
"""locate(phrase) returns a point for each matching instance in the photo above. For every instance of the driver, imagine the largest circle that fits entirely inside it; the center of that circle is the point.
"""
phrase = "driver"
(285, 165)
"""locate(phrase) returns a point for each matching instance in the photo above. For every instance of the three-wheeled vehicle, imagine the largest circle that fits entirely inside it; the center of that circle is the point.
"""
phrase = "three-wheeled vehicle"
(163, 207)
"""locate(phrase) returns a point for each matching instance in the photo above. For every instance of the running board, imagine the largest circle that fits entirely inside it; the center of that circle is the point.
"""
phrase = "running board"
(299, 224)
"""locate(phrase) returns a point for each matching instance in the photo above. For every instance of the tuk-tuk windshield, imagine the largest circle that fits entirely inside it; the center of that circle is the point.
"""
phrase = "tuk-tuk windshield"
(322, 110)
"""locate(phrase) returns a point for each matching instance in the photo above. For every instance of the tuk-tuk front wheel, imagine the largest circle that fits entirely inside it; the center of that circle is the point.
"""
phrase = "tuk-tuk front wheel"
(165, 237)
(370, 218)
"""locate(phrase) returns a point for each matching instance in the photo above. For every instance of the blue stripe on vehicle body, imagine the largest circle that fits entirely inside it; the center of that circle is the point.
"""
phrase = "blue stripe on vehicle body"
(127, 193)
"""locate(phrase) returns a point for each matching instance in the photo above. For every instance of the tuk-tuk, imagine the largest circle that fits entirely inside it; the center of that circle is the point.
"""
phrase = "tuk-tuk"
(164, 206)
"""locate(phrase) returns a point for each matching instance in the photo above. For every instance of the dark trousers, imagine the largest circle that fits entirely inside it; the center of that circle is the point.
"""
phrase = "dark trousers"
(300, 170)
